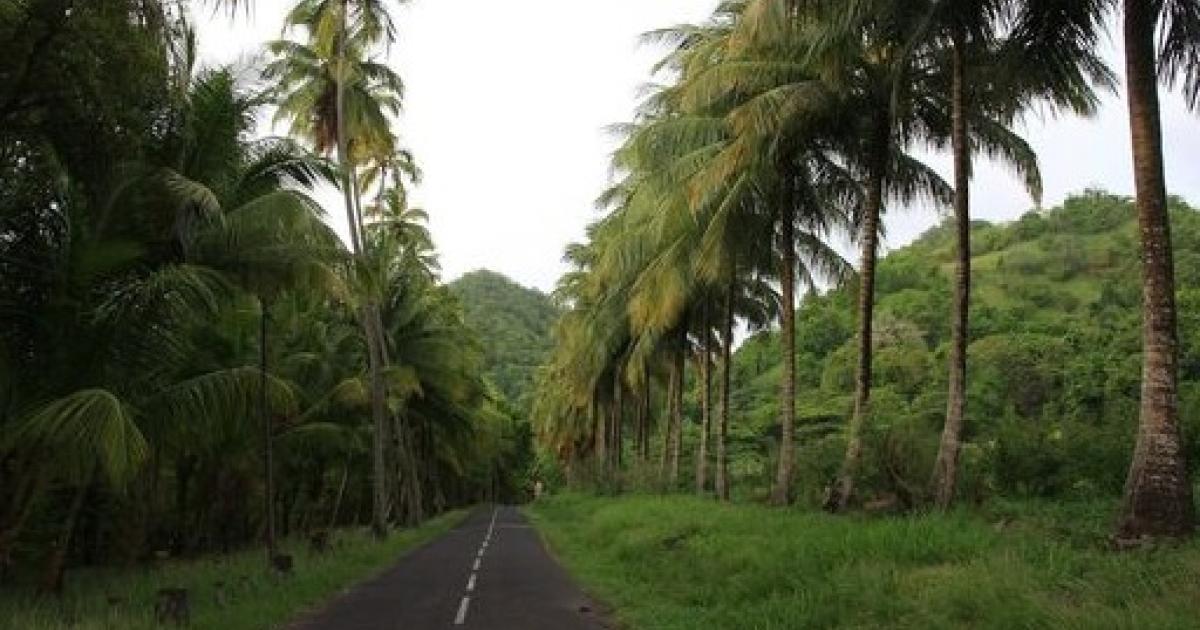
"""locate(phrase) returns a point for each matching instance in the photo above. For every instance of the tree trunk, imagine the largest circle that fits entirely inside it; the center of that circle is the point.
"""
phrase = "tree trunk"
(379, 415)
(843, 487)
(639, 422)
(361, 225)
(370, 314)
(601, 435)
(342, 152)
(337, 500)
(781, 492)
(17, 512)
(722, 472)
(647, 402)
(184, 466)
(52, 579)
(945, 470)
(669, 402)
(411, 484)
(618, 417)
(705, 407)
(264, 418)
(677, 408)
(1158, 491)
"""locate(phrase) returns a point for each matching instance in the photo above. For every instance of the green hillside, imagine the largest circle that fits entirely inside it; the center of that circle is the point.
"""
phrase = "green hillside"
(1054, 361)
(513, 323)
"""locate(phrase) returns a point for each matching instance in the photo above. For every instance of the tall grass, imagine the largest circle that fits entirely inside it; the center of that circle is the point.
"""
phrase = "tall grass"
(255, 598)
(685, 563)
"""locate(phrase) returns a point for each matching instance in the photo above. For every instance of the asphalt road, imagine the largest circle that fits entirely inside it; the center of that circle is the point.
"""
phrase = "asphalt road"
(490, 572)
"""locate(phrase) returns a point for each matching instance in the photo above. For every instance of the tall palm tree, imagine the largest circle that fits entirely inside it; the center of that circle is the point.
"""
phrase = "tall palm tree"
(749, 73)
(341, 97)
(985, 82)
(877, 116)
(1158, 491)
(802, 82)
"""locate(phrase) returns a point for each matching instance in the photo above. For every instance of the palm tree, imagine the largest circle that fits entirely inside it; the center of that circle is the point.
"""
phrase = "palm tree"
(985, 83)
(870, 102)
(138, 363)
(802, 84)
(262, 233)
(172, 329)
(1158, 490)
(339, 98)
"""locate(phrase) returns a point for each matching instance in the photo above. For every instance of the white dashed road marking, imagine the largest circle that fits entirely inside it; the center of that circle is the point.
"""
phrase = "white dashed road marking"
(461, 617)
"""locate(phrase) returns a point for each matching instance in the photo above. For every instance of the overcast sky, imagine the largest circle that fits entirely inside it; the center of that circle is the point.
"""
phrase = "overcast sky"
(507, 104)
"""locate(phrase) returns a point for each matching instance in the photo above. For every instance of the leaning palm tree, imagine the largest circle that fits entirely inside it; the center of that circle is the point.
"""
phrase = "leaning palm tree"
(800, 79)
(1158, 490)
(702, 201)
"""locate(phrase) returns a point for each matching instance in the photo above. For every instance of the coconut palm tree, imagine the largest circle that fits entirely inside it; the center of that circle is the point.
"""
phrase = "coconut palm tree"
(1158, 490)
(795, 87)
(260, 229)
(340, 99)
(989, 81)
(838, 87)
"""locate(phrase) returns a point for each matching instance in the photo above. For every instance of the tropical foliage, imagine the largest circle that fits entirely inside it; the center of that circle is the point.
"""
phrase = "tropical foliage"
(787, 127)
(190, 358)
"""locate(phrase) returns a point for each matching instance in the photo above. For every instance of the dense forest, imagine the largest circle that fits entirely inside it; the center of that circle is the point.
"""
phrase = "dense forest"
(981, 360)
(191, 359)
(514, 323)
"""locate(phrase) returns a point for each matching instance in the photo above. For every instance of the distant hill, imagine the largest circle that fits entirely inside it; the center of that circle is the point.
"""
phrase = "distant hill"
(1054, 358)
(513, 323)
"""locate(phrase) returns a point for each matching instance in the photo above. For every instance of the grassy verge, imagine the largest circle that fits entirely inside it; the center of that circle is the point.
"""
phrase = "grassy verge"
(255, 599)
(684, 563)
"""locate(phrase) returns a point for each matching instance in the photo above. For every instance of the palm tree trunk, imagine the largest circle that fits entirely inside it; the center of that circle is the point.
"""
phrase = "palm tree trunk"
(52, 579)
(618, 408)
(781, 492)
(268, 438)
(843, 487)
(342, 152)
(677, 408)
(379, 504)
(1158, 491)
(360, 225)
(640, 423)
(722, 472)
(337, 500)
(945, 470)
(601, 435)
(21, 503)
(666, 427)
(374, 340)
(705, 407)
(648, 414)
(411, 484)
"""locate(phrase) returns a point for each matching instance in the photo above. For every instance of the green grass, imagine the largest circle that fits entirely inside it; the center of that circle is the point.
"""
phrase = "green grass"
(256, 599)
(685, 563)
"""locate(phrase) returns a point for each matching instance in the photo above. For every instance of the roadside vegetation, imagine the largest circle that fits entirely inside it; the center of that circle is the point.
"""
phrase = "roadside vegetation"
(676, 563)
(232, 591)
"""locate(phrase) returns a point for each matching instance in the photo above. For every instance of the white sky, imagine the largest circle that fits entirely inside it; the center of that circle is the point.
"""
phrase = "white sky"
(507, 104)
